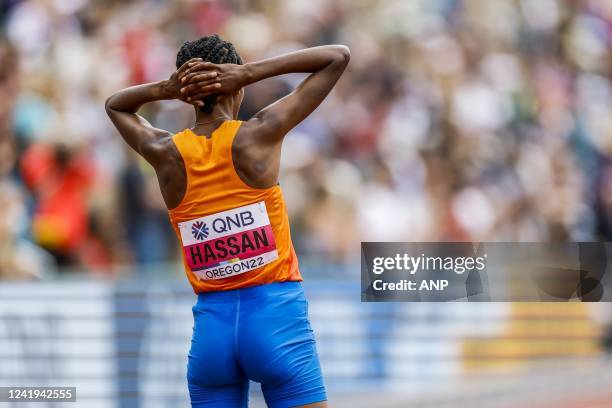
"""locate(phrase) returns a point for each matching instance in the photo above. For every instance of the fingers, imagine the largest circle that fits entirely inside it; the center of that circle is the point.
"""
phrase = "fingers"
(203, 92)
(198, 76)
(195, 103)
(199, 80)
(195, 87)
(198, 66)
(187, 64)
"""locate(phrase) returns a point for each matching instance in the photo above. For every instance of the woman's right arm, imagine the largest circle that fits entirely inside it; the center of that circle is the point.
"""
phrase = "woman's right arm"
(122, 108)
(326, 64)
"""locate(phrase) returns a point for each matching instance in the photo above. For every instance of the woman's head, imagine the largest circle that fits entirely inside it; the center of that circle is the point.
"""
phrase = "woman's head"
(211, 49)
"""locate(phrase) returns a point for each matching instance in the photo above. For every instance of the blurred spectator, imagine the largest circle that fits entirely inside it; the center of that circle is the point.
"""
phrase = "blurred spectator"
(19, 258)
(144, 216)
(8, 94)
(59, 181)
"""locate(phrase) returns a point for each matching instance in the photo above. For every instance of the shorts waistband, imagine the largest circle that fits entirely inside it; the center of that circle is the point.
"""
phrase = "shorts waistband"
(250, 292)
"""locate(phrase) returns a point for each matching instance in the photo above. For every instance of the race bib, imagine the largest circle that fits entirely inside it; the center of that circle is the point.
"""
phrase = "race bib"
(229, 243)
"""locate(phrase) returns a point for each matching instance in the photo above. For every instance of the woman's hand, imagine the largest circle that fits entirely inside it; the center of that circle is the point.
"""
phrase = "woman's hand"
(203, 79)
(171, 88)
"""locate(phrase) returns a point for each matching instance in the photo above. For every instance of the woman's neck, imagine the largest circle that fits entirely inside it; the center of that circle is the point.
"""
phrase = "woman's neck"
(206, 123)
(210, 119)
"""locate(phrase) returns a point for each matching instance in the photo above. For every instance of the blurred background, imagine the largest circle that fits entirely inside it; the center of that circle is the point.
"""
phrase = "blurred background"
(457, 120)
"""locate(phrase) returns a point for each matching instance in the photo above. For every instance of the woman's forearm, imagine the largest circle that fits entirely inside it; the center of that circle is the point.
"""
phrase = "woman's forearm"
(308, 60)
(132, 98)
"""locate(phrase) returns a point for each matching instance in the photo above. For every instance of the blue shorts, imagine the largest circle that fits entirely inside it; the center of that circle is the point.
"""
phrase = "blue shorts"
(260, 333)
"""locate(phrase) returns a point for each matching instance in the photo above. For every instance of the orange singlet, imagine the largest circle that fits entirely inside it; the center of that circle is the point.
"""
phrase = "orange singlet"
(232, 235)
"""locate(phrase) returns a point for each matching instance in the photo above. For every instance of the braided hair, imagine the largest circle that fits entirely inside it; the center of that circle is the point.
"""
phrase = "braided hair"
(211, 49)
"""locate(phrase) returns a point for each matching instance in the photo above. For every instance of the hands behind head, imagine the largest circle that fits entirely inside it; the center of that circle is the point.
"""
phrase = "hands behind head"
(199, 79)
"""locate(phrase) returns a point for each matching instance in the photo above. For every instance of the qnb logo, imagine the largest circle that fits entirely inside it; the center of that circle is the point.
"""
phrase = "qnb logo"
(199, 230)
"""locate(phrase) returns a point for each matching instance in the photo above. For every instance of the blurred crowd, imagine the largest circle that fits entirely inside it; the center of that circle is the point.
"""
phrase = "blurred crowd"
(456, 120)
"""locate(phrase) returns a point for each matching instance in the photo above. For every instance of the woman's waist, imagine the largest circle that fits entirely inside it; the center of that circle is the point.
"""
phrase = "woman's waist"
(251, 292)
